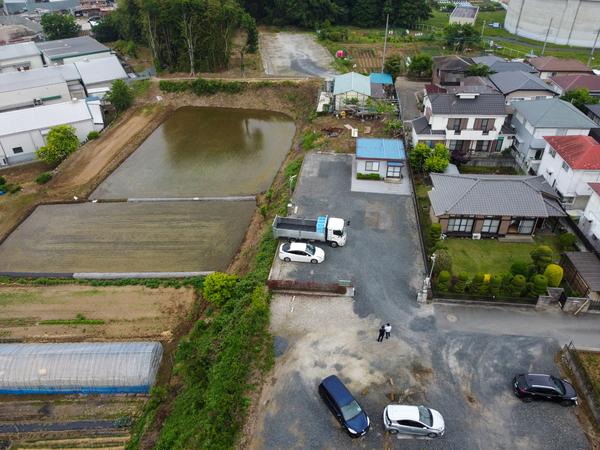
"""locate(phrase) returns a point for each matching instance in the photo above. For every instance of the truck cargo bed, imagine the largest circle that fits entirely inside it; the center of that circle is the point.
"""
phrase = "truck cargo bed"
(288, 223)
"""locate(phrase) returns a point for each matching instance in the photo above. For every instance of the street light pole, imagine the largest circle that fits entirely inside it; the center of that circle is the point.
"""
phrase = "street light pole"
(433, 257)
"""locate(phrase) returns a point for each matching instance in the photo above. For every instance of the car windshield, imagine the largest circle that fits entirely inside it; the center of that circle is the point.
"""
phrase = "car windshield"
(351, 410)
(310, 249)
(559, 385)
(425, 416)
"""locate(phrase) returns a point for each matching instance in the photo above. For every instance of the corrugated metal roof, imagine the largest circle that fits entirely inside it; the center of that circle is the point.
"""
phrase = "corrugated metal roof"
(87, 367)
(352, 82)
(588, 266)
(465, 11)
(98, 70)
(372, 148)
(553, 113)
(14, 81)
(42, 117)
(381, 78)
(508, 82)
(18, 50)
(493, 195)
(65, 48)
(482, 104)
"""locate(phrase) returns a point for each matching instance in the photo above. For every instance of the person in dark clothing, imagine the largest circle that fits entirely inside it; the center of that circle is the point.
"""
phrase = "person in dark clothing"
(381, 334)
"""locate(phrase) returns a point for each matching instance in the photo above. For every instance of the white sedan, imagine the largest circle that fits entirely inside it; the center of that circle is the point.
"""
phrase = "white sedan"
(418, 420)
(301, 252)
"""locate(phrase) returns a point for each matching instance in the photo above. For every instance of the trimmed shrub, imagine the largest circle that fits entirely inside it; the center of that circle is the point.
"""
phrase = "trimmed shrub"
(519, 268)
(443, 281)
(539, 285)
(2, 180)
(567, 241)
(173, 86)
(478, 285)
(541, 256)
(43, 178)
(554, 274)
(517, 285)
(443, 261)
(219, 288)
(368, 176)
(435, 231)
(461, 282)
(93, 135)
(496, 285)
(506, 280)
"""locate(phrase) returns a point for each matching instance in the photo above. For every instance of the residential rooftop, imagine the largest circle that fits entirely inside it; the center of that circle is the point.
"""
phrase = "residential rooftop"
(493, 195)
(584, 80)
(595, 187)
(553, 113)
(373, 148)
(452, 63)
(20, 50)
(66, 48)
(554, 64)
(508, 82)
(476, 104)
(511, 66)
(579, 152)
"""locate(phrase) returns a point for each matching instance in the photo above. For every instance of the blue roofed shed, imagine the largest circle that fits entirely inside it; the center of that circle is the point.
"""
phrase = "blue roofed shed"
(381, 78)
(384, 157)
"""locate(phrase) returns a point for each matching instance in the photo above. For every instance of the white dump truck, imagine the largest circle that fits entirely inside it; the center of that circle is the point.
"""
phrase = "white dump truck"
(324, 229)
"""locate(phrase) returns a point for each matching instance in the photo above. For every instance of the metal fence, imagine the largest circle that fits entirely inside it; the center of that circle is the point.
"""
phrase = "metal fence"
(590, 391)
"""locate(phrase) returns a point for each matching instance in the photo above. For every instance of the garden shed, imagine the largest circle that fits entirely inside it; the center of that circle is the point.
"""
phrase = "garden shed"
(382, 157)
(79, 368)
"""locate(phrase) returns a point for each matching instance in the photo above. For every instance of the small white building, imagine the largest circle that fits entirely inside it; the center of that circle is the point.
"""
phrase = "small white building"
(382, 157)
(98, 74)
(17, 57)
(589, 222)
(569, 164)
(349, 89)
(32, 88)
(24, 131)
(464, 14)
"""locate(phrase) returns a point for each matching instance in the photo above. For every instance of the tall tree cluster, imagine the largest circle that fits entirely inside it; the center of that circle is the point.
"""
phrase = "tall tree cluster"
(316, 13)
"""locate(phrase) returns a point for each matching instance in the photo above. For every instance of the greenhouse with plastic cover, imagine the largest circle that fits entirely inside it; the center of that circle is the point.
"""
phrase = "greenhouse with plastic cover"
(79, 368)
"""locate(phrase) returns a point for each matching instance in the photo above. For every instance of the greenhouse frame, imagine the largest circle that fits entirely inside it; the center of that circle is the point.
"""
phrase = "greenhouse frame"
(79, 368)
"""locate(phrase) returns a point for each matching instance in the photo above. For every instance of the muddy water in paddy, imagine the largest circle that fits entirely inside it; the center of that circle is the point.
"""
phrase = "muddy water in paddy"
(204, 152)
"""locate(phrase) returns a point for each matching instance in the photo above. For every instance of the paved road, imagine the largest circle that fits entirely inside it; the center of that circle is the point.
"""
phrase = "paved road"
(461, 367)
(407, 90)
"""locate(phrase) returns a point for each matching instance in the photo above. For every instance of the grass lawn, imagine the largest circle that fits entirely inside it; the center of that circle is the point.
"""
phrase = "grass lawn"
(491, 255)
(591, 363)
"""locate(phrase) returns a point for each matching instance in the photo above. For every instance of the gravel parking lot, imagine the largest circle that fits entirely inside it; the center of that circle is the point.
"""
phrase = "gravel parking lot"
(464, 374)
(295, 54)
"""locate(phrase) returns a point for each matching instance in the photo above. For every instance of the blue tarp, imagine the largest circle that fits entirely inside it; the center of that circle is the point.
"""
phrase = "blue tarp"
(381, 78)
(387, 149)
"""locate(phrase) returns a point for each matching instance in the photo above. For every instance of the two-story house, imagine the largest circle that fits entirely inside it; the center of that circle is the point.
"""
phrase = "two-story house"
(517, 86)
(569, 164)
(551, 66)
(465, 122)
(535, 119)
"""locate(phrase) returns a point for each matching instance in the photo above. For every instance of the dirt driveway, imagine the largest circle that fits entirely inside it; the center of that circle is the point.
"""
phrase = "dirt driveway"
(295, 54)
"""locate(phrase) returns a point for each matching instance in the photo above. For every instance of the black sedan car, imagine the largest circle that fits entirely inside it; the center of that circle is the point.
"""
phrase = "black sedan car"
(344, 406)
(532, 386)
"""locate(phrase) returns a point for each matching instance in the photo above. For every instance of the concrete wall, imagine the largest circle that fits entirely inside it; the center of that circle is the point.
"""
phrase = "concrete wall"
(27, 62)
(25, 97)
(574, 22)
(32, 140)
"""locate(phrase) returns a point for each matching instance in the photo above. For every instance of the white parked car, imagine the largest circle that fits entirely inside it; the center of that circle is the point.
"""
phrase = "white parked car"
(408, 419)
(301, 252)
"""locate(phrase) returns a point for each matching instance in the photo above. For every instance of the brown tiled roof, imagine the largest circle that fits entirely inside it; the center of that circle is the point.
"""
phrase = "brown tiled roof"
(585, 80)
(553, 64)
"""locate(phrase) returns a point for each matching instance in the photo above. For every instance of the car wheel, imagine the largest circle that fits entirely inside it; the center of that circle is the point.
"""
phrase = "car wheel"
(286, 259)
(566, 403)
(432, 435)
(392, 431)
(527, 399)
(333, 244)
(314, 261)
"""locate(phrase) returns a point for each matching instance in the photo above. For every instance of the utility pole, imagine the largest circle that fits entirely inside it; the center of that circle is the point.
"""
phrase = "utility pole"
(547, 33)
(387, 21)
(482, 29)
(593, 48)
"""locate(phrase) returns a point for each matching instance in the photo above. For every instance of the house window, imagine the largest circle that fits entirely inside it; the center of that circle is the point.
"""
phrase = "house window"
(526, 226)
(490, 225)
(393, 170)
(484, 124)
(565, 166)
(372, 166)
(482, 146)
(552, 152)
(456, 124)
(452, 145)
(567, 200)
(17, 150)
(460, 224)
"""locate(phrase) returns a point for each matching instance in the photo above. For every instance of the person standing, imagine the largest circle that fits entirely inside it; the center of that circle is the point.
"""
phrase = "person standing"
(388, 330)
(381, 334)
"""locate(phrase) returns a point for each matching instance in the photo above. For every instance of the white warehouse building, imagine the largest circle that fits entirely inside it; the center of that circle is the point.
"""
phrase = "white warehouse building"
(24, 131)
(570, 22)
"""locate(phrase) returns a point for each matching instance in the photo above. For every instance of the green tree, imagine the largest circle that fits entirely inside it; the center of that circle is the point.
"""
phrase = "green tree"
(405, 13)
(554, 274)
(579, 98)
(60, 143)
(420, 66)
(107, 30)
(461, 282)
(496, 285)
(59, 26)
(517, 285)
(519, 268)
(443, 261)
(120, 95)
(443, 281)
(479, 70)
(393, 127)
(460, 36)
(219, 288)
(367, 13)
(393, 65)
(418, 155)
(478, 284)
(541, 256)
(567, 241)
(438, 160)
(539, 285)
(435, 231)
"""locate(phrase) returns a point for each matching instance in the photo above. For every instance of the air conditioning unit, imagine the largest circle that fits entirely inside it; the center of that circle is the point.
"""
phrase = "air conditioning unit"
(476, 236)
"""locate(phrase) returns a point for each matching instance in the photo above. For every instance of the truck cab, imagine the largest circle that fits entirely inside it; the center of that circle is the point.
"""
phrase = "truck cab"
(336, 232)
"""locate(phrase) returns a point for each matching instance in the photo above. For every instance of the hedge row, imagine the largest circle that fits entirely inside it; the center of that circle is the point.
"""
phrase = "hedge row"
(201, 86)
